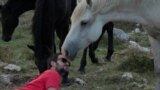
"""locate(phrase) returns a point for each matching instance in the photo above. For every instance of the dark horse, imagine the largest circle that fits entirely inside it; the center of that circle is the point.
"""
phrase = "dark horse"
(14, 8)
(50, 16)
(10, 13)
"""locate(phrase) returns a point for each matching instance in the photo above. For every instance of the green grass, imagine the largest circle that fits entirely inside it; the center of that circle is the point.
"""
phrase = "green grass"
(101, 77)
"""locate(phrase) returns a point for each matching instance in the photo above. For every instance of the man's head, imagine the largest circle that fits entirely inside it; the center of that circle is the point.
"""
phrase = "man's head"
(60, 63)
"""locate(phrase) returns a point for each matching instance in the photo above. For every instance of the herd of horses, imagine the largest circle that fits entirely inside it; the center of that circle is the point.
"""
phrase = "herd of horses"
(88, 20)
(44, 29)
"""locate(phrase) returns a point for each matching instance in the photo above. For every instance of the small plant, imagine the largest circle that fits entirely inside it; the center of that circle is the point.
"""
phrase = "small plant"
(137, 62)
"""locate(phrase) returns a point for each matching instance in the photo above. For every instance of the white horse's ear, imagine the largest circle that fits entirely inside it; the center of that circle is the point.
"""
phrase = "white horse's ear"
(89, 2)
(78, 1)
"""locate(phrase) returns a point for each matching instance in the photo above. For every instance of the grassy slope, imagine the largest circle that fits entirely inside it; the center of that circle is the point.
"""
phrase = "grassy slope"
(101, 77)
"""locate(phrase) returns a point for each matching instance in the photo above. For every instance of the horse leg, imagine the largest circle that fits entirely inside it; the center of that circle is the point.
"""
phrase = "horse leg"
(155, 44)
(109, 27)
(42, 58)
(83, 62)
(43, 31)
(44, 50)
(93, 47)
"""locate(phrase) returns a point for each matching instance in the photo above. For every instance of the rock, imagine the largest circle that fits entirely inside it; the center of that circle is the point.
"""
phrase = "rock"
(2, 64)
(127, 76)
(12, 67)
(137, 30)
(135, 84)
(120, 34)
(138, 25)
(135, 45)
(80, 82)
(145, 81)
(5, 79)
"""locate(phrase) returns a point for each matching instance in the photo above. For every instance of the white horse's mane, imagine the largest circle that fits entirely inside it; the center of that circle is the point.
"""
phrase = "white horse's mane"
(81, 8)
(103, 5)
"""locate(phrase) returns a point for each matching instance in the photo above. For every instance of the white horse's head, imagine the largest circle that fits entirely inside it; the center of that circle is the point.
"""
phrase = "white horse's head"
(86, 26)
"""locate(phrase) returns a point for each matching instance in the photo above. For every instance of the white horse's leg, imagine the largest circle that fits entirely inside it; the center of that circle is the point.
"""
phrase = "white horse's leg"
(155, 44)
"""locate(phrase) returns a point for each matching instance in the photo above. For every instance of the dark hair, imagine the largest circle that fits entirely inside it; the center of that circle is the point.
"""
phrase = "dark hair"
(53, 58)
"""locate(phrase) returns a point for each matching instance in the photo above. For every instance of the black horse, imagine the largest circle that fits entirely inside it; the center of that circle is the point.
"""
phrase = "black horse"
(10, 16)
(50, 16)
(10, 13)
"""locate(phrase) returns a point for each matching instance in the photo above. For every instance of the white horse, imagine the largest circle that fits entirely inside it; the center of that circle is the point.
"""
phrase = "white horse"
(90, 16)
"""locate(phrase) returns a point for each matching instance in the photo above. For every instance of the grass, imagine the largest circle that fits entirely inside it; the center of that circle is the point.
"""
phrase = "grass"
(101, 77)
(139, 63)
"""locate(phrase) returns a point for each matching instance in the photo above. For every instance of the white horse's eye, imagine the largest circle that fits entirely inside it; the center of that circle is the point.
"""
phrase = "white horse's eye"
(83, 23)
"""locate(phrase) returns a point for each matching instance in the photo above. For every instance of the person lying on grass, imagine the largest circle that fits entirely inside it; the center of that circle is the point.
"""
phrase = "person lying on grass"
(51, 78)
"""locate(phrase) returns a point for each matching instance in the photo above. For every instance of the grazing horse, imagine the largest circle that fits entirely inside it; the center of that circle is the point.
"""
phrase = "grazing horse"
(10, 13)
(89, 17)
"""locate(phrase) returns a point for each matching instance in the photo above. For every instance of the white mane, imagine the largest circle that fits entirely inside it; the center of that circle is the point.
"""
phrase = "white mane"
(105, 6)
(97, 5)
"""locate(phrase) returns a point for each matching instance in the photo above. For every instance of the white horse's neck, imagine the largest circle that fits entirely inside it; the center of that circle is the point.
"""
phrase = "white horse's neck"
(139, 11)
(125, 16)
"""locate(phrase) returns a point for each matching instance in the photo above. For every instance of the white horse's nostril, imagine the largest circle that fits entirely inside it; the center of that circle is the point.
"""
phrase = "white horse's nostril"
(64, 52)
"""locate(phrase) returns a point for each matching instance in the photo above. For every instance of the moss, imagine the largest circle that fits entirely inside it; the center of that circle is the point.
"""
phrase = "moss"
(137, 62)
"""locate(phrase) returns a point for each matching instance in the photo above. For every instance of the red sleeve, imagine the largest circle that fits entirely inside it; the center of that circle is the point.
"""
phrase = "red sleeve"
(53, 80)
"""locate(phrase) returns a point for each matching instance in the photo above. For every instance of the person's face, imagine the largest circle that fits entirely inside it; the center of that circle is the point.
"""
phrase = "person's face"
(62, 65)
